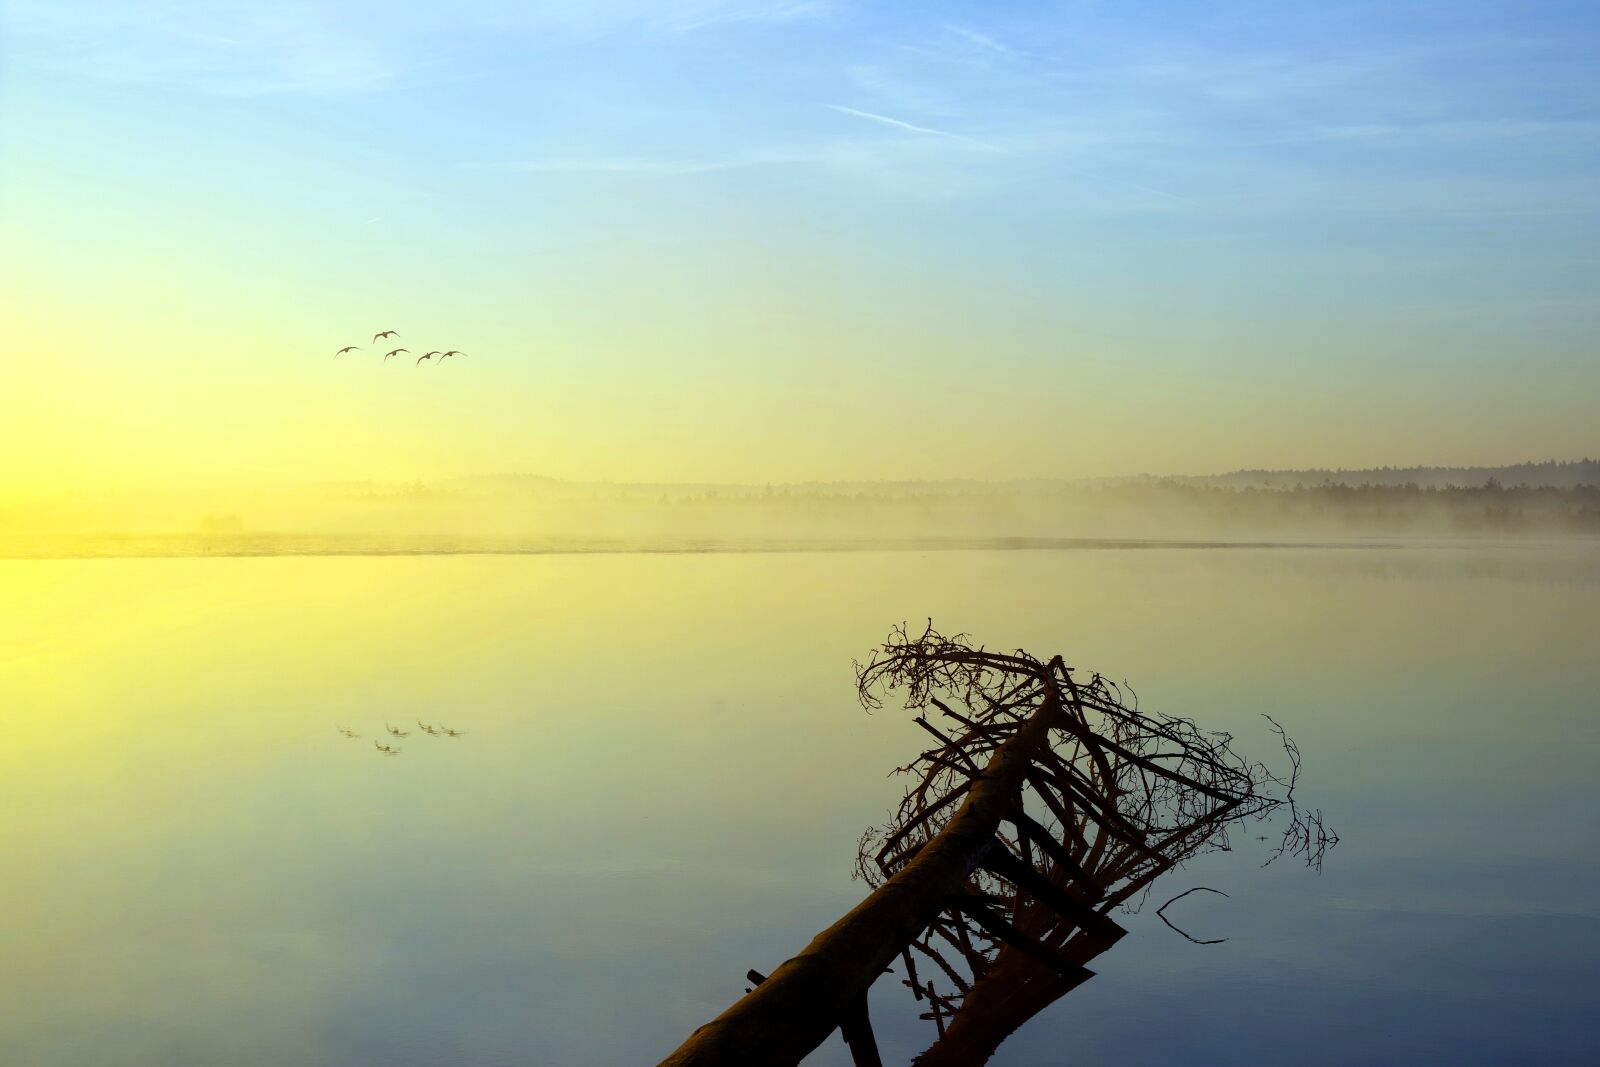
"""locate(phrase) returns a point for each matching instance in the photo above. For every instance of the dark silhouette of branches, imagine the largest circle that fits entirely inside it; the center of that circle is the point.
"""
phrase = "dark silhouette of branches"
(1305, 834)
(1161, 913)
(1044, 801)
(1115, 798)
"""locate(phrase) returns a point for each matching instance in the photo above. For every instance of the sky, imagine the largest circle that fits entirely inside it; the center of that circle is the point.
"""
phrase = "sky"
(779, 240)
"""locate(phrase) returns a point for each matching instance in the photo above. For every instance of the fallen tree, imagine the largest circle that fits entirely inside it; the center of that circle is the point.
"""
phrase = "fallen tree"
(1046, 802)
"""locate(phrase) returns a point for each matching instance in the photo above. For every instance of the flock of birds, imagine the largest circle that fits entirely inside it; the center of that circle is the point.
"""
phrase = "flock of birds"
(382, 334)
(395, 731)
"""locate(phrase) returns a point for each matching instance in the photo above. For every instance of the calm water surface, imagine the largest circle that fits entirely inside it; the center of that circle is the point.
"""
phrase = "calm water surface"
(664, 774)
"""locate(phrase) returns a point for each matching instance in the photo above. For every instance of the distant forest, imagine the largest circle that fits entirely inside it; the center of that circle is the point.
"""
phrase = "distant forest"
(1531, 498)
(1552, 497)
(1551, 473)
(1492, 507)
(524, 512)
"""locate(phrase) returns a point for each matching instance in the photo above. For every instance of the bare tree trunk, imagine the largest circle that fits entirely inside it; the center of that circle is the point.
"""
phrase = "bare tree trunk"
(997, 1006)
(780, 1021)
(1102, 800)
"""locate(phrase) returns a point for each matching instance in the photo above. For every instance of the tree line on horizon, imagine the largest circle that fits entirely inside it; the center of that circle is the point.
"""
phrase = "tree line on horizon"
(1550, 473)
(1492, 505)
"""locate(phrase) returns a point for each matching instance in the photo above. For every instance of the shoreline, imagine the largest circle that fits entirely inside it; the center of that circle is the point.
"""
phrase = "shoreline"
(267, 546)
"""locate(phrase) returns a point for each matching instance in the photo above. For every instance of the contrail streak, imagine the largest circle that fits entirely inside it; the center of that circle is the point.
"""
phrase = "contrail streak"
(899, 124)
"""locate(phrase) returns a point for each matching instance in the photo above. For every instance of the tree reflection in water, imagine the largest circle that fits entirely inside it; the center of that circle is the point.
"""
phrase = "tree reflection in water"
(1045, 802)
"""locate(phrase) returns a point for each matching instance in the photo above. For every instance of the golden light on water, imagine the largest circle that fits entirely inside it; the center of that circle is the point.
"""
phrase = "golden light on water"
(1221, 351)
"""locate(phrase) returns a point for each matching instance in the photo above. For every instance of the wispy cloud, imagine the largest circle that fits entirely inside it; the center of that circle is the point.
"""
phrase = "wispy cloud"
(694, 16)
(900, 168)
(234, 47)
(694, 87)
(1458, 131)
(982, 41)
(909, 127)
(224, 49)
(660, 166)
(637, 165)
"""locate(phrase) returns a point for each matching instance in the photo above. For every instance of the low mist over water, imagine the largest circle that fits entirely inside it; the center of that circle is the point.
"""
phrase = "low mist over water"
(740, 533)
(531, 514)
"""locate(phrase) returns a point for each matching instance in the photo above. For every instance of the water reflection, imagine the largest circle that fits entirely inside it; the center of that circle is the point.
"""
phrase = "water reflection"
(1048, 800)
(391, 730)
(203, 856)
(1106, 799)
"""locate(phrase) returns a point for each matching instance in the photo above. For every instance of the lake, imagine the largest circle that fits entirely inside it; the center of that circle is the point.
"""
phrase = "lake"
(663, 774)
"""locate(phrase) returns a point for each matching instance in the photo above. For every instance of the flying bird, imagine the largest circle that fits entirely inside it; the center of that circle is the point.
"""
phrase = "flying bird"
(346, 348)
(348, 732)
(387, 750)
(396, 352)
(425, 355)
(385, 333)
(454, 733)
(396, 731)
(434, 730)
(450, 353)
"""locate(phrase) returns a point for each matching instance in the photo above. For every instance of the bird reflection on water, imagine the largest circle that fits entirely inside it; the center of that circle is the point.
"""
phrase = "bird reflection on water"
(394, 731)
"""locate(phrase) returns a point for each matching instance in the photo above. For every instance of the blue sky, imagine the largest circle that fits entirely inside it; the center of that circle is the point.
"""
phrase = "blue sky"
(1367, 228)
